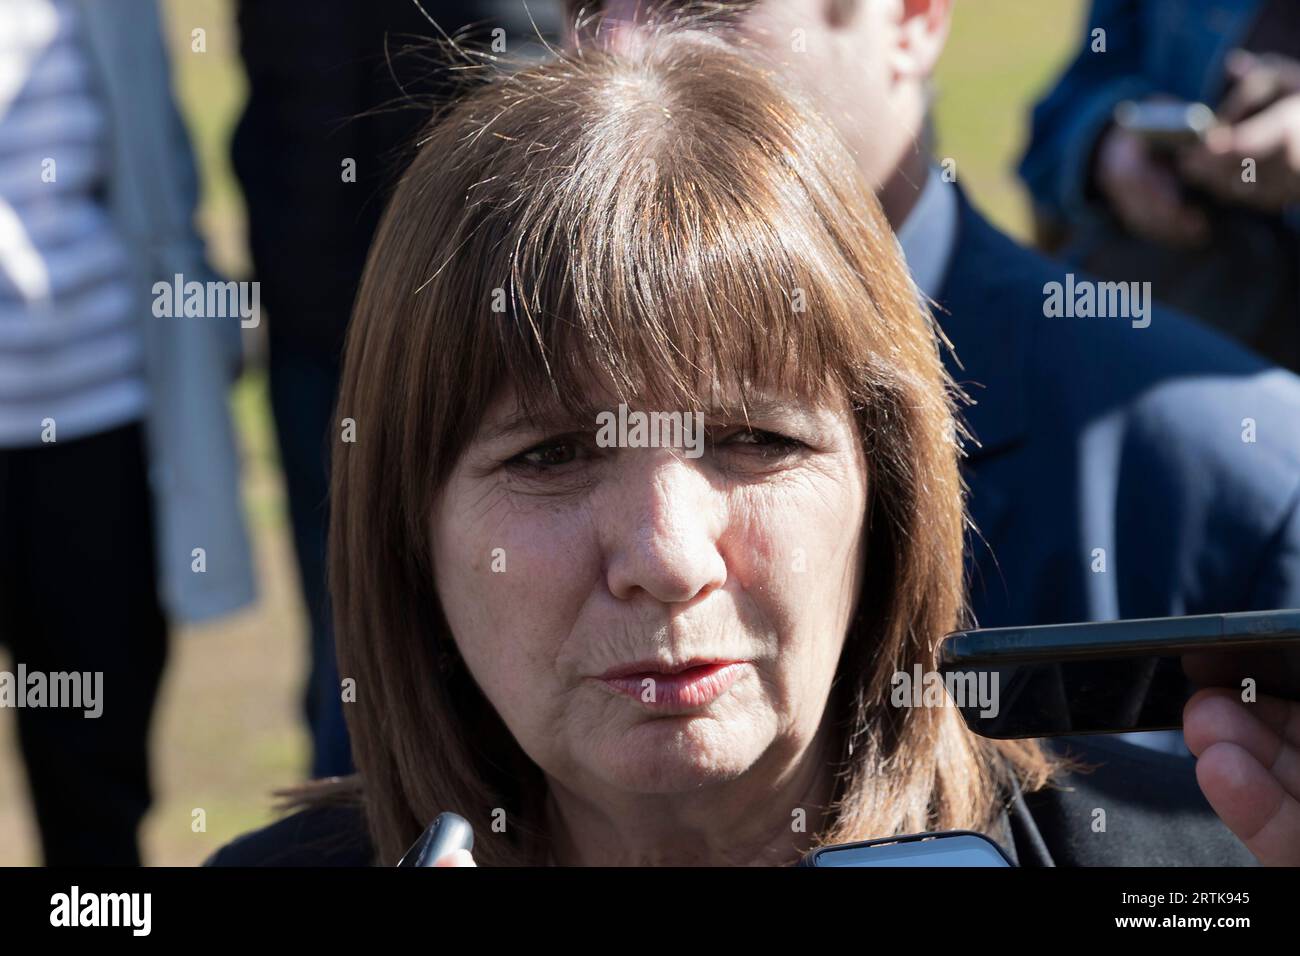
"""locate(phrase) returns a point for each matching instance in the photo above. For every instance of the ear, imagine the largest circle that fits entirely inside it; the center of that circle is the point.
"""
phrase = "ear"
(922, 33)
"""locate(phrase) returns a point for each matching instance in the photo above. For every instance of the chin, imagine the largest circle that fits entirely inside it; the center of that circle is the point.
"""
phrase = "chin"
(679, 754)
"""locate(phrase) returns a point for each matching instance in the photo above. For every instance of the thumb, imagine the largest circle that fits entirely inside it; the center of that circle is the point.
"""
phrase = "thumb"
(1262, 134)
(456, 858)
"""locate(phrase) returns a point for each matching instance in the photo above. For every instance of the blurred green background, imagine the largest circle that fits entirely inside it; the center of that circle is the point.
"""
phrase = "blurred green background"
(228, 730)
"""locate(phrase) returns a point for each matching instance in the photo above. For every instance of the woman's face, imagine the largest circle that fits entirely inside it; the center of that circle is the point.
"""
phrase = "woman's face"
(576, 578)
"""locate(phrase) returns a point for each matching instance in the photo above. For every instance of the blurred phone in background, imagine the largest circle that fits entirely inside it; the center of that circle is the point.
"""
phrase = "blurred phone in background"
(1165, 126)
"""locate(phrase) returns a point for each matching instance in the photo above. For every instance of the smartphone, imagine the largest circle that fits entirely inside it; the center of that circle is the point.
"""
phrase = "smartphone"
(448, 832)
(1165, 125)
(1114, 676)
(948, 848)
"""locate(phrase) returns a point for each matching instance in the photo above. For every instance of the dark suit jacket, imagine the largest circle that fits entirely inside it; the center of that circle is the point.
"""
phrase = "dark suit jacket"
(1098, 435)
(1154, 815)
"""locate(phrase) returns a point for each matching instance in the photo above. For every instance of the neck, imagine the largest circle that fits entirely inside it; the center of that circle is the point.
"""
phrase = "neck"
(750, 821)
(901, 189)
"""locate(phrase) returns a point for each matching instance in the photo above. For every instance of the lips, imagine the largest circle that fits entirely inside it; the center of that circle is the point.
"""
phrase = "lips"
(681, 687)
(653, 668)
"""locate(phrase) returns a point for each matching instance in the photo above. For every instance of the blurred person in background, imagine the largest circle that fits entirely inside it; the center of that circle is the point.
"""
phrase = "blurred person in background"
(117, 458)
(1216, 243)
(328, 125)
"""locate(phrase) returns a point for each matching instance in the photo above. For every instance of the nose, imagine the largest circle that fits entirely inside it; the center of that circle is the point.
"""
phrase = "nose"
(662, 539)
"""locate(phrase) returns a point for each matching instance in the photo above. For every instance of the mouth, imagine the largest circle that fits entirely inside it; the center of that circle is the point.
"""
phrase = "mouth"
(681, 687)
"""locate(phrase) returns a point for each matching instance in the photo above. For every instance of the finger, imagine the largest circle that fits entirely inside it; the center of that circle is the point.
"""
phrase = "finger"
(1280, 716)
(1253, 91)
(1263, 134)
(1285, 68)
(1238, 63)
(1221, 176)
(1218, 142)
(1288, 69)
(456, 858)
(1251, 803)
(1157, 209)
(1200, 163)
(1218, 716)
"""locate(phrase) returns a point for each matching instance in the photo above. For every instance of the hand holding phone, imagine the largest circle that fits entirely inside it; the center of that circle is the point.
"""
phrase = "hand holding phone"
(1134, 170)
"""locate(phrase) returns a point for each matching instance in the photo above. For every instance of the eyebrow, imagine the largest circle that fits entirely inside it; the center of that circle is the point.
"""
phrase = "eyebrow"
(520, 421)
(556, 418)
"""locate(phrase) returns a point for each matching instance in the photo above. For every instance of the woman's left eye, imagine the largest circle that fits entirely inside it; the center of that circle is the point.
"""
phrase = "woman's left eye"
(767, 444)
(551, 454)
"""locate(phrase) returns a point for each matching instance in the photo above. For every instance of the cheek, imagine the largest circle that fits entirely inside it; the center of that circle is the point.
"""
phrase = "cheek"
(512, 578)
(793, 549)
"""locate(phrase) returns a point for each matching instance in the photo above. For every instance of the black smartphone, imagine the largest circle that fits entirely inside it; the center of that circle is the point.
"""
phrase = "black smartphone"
(1165, 125)
(947, 848)
(1114, 676)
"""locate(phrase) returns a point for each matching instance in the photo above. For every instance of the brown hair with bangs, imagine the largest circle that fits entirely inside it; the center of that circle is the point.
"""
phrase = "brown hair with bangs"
(656, 217)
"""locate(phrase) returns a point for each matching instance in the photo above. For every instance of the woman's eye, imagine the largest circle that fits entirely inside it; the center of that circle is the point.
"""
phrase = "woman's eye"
(765, 443)
(754, 444)
(551, 454)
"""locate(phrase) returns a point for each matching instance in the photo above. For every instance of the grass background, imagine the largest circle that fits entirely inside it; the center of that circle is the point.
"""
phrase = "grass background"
(227, 729)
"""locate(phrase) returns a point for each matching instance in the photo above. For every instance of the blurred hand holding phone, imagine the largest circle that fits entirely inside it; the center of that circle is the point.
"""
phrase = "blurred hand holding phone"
(1251, 156)
(1164, 161)
(1135, 170)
